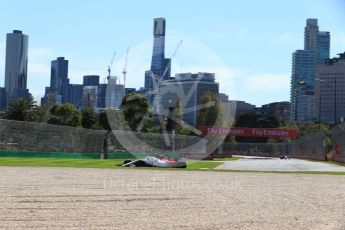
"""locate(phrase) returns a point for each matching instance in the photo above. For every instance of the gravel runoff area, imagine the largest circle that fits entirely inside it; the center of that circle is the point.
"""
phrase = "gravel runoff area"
(70, 198)
(276, 164)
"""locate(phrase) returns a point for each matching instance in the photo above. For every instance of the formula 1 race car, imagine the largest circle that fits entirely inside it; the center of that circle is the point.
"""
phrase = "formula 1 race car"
(159, 161)
(285, 157)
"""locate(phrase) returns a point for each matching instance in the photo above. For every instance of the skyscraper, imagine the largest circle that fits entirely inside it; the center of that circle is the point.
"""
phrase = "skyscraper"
(58, 78)
(16, 65)
(317, 41)
(316, 51)
(160, 68)
(302, 83)
(311, 31)
(57, 92)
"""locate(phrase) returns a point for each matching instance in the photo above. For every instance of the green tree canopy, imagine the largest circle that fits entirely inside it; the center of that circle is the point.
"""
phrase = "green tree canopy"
(102, 121)
(20, 110)
(65, 114)
(136, 112)
(307, 128)
(253, 120)
(211, 112)
(88, 118)
(42, 113)
(176, 121)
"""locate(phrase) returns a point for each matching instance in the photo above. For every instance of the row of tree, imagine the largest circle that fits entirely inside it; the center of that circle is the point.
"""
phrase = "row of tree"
(134, 107)
(254, 120)
(65, 114)
(137, 117)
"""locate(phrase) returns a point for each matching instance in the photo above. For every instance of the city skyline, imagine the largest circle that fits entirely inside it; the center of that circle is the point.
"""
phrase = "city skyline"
(238, 48)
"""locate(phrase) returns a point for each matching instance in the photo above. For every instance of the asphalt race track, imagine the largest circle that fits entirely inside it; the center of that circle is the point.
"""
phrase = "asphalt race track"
(276, 164)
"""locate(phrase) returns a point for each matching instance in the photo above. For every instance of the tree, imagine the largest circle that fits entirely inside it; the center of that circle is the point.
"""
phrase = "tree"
(175, 119)
(20, 110)
(253, 120)
(65, 114)
(88, 118)
(42, 113)
(136, 112)
(171, 119)
(304, 129)
(102, 121)
(211, 114)
(307, 128)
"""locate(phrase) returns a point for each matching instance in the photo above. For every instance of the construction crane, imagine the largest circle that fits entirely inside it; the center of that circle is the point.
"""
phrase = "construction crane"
(124, 72)
(173, 55)
(110, 65)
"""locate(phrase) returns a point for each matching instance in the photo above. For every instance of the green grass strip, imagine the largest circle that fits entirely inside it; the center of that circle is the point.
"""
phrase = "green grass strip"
(58, 162)
(96, 163)
(42, 154)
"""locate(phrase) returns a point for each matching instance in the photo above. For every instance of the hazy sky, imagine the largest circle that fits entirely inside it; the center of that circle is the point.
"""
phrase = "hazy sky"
(247, 43)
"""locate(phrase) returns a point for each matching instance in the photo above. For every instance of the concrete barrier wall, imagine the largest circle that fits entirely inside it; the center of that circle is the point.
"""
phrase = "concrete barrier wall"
(311, 147)
(154, 143)
(19, 135)
(338, 133)
(28, 136)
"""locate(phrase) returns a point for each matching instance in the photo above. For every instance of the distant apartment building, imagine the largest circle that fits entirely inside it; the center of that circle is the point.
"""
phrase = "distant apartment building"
(330, 90)
(102, 89)
(281, 110)
(229, 111)
(90, 91)
(240, 107)
(316, 51)
(306, 108)
(188, 88)
(73, 94)
(223, 97)
(130, 90)
(91, 80)
(47, 98)
(16, 65)
(114, 93)
(89, 94)
(89, 99)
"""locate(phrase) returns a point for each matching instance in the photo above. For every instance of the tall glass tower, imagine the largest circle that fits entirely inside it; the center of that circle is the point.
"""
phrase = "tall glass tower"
(159, 63)
(304, 62)
(16, 65)
(58, 78)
